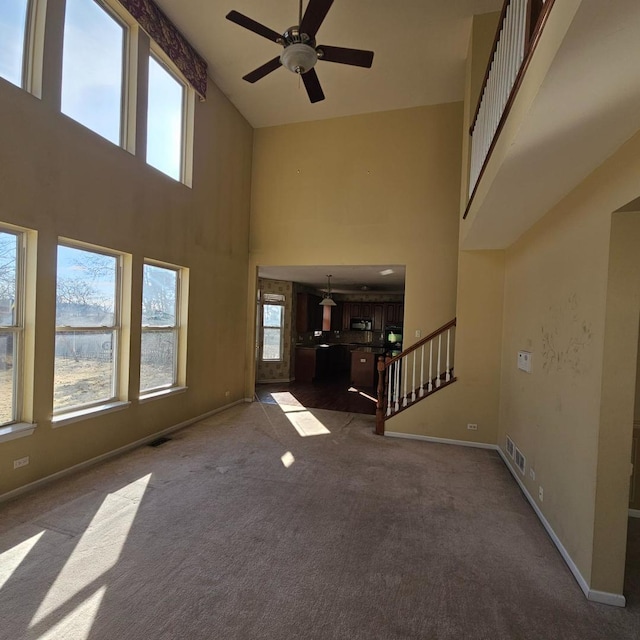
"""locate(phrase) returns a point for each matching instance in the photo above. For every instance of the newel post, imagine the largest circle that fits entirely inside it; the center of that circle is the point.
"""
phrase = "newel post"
(380, 405)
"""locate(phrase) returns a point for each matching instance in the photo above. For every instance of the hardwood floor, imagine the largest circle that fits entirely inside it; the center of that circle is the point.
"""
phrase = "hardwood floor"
(336, 394)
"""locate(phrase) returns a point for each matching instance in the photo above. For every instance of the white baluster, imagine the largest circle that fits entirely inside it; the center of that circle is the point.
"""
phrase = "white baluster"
(430, 389)
(421, 371)
(404, 381)
(397, 384)
(438, 381)
(448, 375)
(413, 383)
(389, 396)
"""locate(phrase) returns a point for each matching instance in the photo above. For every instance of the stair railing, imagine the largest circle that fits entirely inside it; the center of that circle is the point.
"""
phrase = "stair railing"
(422, 369)
(519, 28)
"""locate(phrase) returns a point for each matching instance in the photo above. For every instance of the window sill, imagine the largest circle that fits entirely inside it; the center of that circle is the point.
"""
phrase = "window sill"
(163, 393)
(82, 414)
(16, 430)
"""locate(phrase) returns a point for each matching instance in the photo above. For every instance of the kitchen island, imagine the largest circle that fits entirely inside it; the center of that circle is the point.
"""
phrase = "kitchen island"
(325, 361)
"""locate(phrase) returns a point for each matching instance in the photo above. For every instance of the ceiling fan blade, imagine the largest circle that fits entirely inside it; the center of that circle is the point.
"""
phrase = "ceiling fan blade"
(312, 85)
(314, 16)
(254, 26)
(355, 57)
(262, 71)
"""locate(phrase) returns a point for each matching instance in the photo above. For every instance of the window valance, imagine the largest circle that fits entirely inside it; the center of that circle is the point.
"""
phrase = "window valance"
(150, 17)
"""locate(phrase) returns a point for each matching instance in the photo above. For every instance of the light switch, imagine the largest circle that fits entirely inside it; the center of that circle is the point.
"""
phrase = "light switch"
(524, 361)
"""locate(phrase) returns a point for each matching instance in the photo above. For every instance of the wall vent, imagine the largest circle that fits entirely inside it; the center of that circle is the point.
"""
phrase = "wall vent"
(521, 461)
(511, 448)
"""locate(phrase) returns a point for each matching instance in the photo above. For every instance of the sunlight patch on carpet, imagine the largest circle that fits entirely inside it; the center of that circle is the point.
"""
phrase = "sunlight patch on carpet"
(11, 559)
(288, 459)
(97, 551)
(78, 623)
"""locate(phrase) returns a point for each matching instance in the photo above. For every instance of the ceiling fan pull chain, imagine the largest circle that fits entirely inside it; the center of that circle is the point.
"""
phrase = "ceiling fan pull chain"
(300, 15)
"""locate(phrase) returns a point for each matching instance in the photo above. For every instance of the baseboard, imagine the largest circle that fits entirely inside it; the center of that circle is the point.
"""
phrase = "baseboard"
(634, 513)
(112, 454)
(602, 597)
(459, 443)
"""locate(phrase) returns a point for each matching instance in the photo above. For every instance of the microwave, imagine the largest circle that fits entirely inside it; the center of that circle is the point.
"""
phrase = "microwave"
(360, 325)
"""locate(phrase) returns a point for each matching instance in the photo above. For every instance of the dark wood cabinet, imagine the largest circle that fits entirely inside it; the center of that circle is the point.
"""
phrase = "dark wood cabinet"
(363, 369)
(393, 314)
(308, 313)
(378, 317)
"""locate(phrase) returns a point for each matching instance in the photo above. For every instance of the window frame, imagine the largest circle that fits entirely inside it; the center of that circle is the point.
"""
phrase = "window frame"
(178, 329)
(17, 329)
(129, 76)
(116, 328)
(188, 115)
(273, 300)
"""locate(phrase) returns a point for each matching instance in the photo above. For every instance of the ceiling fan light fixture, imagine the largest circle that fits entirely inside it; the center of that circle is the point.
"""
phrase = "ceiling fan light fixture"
(299, 58)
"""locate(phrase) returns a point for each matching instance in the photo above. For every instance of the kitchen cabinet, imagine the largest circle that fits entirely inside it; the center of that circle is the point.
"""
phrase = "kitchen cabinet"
(308, 313)
(337, 320)
(394, 314)
(363, 368)
(378, 317)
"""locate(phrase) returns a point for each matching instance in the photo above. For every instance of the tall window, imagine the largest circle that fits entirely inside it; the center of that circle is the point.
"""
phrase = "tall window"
(13, 32)
(272, 326)
(11, 324)
(160, 327)
(87, 328)
(93, 68)
(165, 120)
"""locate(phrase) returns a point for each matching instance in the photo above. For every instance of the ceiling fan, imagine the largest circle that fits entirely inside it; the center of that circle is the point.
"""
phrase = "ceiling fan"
(300, 52)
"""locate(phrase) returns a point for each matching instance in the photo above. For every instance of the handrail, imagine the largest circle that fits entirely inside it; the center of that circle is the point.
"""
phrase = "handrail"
(537, 14)
(413, 347)
(411, 376)
(534, 11)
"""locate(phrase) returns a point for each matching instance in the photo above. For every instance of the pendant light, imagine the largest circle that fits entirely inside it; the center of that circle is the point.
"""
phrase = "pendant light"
(327, 300)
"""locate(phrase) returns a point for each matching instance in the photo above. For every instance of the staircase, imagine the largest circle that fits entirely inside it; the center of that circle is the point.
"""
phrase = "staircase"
(414, 375)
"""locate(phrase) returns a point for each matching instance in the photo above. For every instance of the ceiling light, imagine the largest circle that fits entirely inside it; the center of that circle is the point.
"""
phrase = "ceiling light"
(386, 272)
(299, 57)
(327, 300)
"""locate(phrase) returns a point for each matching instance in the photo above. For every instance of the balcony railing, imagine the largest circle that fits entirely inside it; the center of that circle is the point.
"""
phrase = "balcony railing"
(519, 28)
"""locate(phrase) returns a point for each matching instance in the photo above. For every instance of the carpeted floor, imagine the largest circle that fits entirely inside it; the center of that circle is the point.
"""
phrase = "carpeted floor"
(239, 528)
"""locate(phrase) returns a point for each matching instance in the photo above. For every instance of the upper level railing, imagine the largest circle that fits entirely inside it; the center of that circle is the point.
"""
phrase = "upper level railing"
(519, 28)
(416, 373)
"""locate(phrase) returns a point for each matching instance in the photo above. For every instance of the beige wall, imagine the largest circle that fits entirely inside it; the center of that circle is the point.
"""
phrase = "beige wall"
(557, 307)
(372, 189)
(63, 180)
(474, 397)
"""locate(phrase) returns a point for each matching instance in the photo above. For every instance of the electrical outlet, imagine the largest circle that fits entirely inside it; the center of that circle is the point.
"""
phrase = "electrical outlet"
(418, 333)
(472, 427)
(21, 462)
(532, 473)
(541, 493)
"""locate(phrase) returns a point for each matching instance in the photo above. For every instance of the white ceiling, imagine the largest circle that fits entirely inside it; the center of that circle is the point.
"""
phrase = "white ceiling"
(420, 50)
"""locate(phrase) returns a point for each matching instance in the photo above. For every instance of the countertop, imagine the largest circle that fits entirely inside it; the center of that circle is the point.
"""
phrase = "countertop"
(353, 346)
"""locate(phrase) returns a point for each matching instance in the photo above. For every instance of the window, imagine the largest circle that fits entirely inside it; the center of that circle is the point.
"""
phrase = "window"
(272, 325)
(93, 68)
(11, 324)
(165, 120)
(13, 37)
(88, 328)
(161, 324)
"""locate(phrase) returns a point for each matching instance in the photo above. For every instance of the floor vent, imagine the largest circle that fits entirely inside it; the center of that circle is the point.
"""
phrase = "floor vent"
(158, 441)
(511, 448)
(521, 461)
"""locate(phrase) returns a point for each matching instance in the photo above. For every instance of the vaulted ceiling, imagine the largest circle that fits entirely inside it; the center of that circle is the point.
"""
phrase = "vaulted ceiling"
(420, 50)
